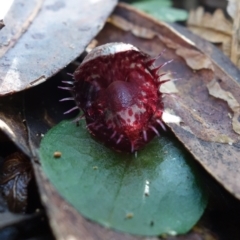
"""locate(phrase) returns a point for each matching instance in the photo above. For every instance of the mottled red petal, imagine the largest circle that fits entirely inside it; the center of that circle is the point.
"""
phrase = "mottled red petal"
(118, 91)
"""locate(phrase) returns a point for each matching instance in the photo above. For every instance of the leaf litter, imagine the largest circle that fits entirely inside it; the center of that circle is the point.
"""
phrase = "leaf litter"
(218, 29)
(200, 154)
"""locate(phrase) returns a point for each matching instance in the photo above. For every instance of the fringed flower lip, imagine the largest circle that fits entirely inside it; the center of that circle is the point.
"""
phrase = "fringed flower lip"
(117, 89)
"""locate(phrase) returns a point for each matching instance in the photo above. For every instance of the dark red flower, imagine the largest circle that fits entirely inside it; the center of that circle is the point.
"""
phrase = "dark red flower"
(117, 88)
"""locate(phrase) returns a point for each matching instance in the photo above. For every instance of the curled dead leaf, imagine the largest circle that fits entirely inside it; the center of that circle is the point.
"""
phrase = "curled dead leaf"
(16, 174)
(215, 90)
(198, 19)
(195, 59)
(214, 28)
(128, 26)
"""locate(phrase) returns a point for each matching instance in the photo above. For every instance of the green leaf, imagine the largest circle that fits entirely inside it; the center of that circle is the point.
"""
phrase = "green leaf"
(161, 10)
(151, 5)
(153, 193)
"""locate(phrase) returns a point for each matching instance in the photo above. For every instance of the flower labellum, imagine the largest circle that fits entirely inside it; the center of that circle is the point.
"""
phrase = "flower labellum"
(117, 88)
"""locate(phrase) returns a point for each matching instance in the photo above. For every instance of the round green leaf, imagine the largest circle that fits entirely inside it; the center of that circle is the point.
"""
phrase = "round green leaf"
(151, 193)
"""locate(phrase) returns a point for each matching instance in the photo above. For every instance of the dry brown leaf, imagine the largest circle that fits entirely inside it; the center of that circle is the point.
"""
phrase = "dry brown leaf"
(195, 59)
(216, 22)
(17, 21)
(58, 34)
(214, 28)
(127, 26)
(215, 90)
(15, 176)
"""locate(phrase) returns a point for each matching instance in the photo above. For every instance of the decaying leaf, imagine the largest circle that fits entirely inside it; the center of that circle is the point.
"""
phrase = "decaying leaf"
(214, 28)
(16, 173)
(195, 59)
(17, 20)
(217, 29)
(128, 26)
(215, 90)
(59, 25)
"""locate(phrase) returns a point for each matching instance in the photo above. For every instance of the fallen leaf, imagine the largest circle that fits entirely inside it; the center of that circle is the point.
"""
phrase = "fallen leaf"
(195, 59)
(15, 176)
(128, 26)
(215, 90)
(59, 25)
(214, 28)
(17, 20)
